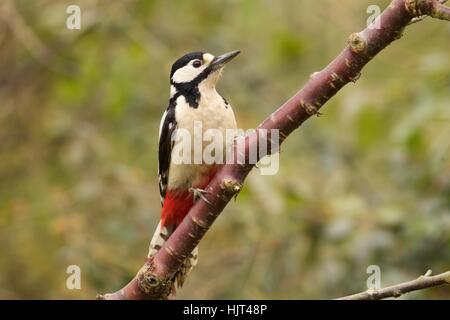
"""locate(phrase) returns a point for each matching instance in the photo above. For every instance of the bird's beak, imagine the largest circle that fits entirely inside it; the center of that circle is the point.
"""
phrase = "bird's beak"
(220, 61)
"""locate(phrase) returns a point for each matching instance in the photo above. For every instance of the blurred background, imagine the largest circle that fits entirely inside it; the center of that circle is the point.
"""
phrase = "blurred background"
(367, 183)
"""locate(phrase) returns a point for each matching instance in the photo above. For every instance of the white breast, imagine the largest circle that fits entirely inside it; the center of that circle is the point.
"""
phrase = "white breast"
(212, 113)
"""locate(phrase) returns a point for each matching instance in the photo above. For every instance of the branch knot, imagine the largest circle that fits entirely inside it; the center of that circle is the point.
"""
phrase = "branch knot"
(230, 186)
(357, 43)
(412, 7)
(153, 286)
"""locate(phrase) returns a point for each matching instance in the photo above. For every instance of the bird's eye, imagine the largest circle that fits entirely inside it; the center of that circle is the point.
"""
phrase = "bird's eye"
(197, 63)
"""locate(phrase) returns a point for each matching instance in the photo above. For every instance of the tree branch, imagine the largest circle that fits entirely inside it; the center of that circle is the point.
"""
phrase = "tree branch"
(422, 282)
(420, 18)
(153, 280)
(432, 8)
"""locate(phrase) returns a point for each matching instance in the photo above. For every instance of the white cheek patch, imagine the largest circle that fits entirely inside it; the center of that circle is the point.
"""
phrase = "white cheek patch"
(187, 73)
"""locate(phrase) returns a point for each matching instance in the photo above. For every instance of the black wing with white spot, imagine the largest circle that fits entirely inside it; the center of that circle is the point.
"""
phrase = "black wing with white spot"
(166, 129)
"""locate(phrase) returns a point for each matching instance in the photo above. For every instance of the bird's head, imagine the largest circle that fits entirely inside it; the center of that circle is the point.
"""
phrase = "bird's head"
(199, 67)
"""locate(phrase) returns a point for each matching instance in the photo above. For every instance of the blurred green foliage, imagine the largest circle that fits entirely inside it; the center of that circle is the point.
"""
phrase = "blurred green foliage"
(366, 183)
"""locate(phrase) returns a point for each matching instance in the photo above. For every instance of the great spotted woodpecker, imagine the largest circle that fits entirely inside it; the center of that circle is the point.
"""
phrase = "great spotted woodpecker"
(193, 99)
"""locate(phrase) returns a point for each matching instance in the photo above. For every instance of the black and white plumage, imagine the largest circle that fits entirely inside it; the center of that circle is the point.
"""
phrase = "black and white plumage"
(192, 78)
(166, 129)
(193, 99)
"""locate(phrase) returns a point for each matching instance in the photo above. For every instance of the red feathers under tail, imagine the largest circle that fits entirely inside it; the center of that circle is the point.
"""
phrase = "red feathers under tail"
(176, 206)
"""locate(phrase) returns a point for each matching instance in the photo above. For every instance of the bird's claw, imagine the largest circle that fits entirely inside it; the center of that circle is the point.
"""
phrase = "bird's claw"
(199, 193)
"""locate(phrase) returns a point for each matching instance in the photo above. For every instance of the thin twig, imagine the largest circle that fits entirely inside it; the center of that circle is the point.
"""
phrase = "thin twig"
(422, 282)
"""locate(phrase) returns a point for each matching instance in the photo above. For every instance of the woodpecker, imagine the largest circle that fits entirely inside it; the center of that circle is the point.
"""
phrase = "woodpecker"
(193, 99)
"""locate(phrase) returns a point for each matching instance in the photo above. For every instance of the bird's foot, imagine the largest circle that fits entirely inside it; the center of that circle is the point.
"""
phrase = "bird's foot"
(199, 193)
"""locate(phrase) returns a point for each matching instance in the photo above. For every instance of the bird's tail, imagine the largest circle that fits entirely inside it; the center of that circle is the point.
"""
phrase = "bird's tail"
(160, 236)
